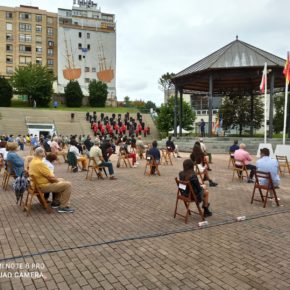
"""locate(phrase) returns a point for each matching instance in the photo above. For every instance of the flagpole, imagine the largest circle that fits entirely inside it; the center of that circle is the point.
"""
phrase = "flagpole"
(285, 113)
(286, 99)
(265, 107)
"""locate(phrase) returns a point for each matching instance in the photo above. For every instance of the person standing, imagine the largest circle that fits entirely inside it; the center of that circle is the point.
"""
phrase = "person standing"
(202, 128)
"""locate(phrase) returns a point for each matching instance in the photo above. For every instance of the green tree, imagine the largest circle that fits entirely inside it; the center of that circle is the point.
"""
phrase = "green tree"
(236, 112)
(98, 93)
(6, 93)
(73, 94)
(150, 105)
(165, 120)
(35, 81)
(127, 102)
(165, 82)
(278, 121)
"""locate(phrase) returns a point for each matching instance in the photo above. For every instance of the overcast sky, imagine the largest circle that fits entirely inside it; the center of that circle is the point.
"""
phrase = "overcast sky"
(159, 36)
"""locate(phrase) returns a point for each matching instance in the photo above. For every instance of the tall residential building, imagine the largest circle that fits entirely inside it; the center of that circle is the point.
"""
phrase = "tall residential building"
(27, 35)
(86, 46)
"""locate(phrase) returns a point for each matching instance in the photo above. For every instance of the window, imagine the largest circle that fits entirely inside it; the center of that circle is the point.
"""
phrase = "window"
(50, 43)
(49, 20)
(9, 59)
(24, 27)
(80, 57)
(80, 46)
(50, 51)
(87, 80)
(25, 16)
(9, 70)
(38, 18)
(25, 48)
(38, 60)
(87, 69)
(24, 59)
(9, 26)
(9, 47)
(9, 15)
(88, 46)
(49, 31)
(38, 28)
(9, 37)
(38, 49)
(80, 35)
(93, 69)
(88, 35)
(25, 37)
(50, 62)
(38, 39)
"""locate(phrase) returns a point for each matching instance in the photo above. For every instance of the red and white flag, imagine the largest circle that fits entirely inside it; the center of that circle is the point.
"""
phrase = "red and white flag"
(264, 79)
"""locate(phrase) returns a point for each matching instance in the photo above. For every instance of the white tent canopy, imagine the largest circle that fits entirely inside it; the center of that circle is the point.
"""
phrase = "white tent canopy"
(183, 131)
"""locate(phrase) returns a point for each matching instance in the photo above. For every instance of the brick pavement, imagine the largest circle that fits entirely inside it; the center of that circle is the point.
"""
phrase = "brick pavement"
(123, 236)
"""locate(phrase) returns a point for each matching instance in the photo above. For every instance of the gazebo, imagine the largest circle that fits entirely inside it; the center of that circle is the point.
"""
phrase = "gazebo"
(234, 69)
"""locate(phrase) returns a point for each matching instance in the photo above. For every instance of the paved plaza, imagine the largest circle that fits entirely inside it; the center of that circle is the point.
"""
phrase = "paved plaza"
(123, 236)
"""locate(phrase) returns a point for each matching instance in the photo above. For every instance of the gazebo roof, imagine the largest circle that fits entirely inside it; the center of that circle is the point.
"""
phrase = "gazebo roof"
(237, 54)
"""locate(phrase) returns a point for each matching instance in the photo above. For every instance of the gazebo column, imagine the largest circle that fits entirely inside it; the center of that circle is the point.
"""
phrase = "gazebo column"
(271, 105)
(180, 111)
(252, 115)
(210, 105)
(175, 111)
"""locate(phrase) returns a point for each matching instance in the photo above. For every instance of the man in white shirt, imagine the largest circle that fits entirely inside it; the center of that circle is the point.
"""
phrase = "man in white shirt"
(96, 153)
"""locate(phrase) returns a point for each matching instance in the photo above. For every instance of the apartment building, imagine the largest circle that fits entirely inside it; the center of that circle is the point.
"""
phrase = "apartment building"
(86, 47)
(27, 35)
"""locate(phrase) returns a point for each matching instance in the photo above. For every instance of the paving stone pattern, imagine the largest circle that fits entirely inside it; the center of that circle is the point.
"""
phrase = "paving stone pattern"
(123, 236)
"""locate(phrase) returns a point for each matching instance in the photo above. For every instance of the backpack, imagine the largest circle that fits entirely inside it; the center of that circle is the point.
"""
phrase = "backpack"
(20, 184)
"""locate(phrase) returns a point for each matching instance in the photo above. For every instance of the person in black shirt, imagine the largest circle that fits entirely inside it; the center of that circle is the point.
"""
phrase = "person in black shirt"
(201, 191)
(171, 146)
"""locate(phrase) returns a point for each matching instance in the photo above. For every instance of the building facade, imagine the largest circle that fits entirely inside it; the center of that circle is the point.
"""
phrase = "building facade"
(27, 35)
(86, 47)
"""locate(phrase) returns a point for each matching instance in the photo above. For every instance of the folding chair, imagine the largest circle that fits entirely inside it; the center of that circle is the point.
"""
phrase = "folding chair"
(123, 158)
(186, 194)
(165, 157)
(268, 186)
(93, 167)
(151, 166)
(199, 174)
(8, 172)
(2, 163)
(34, 190)
(140, 152)
(231, 157)
(283, 163)
(239, 167)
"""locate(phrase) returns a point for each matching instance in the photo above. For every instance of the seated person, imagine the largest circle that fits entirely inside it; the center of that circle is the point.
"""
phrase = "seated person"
(55, 148)
(96, 153)
(16, 161)
(124, 150)
(242, 155)
(207, 155)
(201, 191)
(171, 147)
(234, 147)
(140, 147)
(266, 164)
(197, 157)
(49, 183)
(80, 158)
(155, 153)
(3, 150)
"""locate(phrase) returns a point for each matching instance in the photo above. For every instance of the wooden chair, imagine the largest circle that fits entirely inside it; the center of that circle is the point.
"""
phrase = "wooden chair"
(34, 190)
(140, 152)
(8, 172)
(2, 162)
(268, 187)
(123, 158)
(283, 164)
(182, 188)
(93, 167)
(151, 166)
(239, 167)
(231, 157)
(165, 157)
(199, 174)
